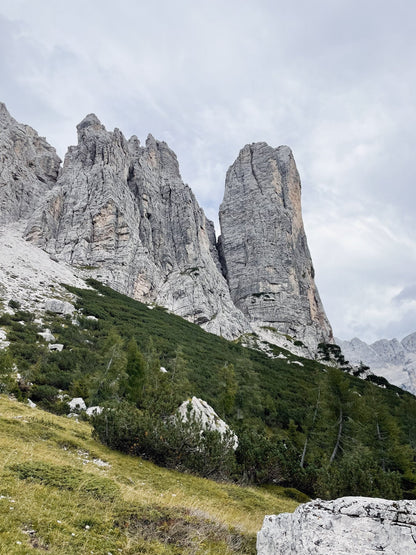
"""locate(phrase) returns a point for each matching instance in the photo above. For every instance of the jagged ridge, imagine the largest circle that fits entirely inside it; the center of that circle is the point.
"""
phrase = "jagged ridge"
(122, 210)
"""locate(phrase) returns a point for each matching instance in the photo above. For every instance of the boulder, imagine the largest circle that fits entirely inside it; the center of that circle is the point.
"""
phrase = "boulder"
(77, 404)
(91, 411)
(56, 347)
(59, 307)
(206, 415)
(356, 525)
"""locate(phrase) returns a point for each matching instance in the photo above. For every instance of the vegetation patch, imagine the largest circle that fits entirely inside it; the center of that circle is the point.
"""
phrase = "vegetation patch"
(305, 426)
(184, 529)
(68, 478)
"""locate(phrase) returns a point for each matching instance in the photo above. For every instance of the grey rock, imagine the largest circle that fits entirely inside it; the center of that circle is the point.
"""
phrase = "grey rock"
(77, 404)
(203, 413)
(394, 360)
(123, 210)
(47, 335)
(59, 307)
(29, 168)
(359, 525)
(56, 347)
(263, 247)
(95, 410)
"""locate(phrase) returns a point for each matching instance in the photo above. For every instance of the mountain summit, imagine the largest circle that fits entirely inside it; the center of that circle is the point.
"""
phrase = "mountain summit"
(122, 211)
(263, 245)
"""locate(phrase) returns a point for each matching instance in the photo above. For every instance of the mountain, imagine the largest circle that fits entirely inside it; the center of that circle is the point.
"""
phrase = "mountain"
(28, 168)
(394, 360)
(121, 211)
(263, 244)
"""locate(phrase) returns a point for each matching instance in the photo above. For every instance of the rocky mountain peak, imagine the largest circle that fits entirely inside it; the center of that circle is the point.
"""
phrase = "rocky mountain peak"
(409, 342)
(90, 122)
(264, 250)
(123, 210)
(393, 359)
(29, 168)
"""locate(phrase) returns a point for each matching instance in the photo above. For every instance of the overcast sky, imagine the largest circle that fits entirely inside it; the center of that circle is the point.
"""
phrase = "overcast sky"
(333, 79)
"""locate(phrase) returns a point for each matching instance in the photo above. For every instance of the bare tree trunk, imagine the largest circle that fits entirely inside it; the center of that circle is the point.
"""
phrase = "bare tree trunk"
(341, 422)
(302, 461)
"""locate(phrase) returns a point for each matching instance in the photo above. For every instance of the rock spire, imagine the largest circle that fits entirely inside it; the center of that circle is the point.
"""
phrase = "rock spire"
(263, 246)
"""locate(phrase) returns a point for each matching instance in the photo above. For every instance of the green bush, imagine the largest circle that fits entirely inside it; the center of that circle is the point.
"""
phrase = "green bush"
(173, 443)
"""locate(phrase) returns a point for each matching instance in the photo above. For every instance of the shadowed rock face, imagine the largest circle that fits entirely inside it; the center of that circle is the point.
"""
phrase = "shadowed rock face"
(263, 245)
(123, 209)
(29, 168)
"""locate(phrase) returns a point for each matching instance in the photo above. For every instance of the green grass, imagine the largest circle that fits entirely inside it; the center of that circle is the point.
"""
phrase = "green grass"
(57, 495)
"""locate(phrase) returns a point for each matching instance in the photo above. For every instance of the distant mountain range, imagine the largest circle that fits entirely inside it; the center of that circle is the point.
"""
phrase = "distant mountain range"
(394, 360)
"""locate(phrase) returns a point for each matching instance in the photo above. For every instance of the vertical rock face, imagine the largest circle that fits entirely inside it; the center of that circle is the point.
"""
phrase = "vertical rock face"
(123, 209)
(263, 245)
(28, 168)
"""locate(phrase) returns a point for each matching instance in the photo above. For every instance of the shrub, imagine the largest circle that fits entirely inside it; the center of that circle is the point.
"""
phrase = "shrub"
(172, 442)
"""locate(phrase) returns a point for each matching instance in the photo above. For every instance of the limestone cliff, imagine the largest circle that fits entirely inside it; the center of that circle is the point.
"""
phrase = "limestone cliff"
(28, 168)
(264, 251)
(123, 209)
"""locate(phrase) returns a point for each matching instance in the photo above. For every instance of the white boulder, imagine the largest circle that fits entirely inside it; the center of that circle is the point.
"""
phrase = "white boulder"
(55, 347)
(91, 411)
(206, 415)
(47, 335)
(358, 525)
(77, 404)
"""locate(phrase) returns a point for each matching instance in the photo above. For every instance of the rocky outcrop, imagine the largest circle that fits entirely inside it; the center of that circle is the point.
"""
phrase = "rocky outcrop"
(358, 525)
(205, 415)
(29, 168)
(394, 360)
(122, 211)
(263, 246)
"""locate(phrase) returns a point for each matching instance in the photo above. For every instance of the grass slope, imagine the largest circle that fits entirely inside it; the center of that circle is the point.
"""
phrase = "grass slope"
(57, 495)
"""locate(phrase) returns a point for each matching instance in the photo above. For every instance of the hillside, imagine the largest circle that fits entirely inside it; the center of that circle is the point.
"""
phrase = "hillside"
(62, 492)
(300, 423)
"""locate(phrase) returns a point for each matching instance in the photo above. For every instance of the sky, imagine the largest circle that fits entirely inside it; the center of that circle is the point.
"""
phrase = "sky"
(333, 79)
